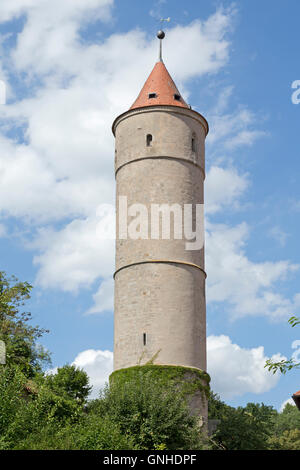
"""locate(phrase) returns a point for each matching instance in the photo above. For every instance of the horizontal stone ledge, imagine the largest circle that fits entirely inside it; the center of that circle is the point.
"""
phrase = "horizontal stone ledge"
(191, 113)
(161, 157)
(160, 261)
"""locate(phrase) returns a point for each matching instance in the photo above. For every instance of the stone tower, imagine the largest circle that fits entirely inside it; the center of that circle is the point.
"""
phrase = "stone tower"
(159, 283)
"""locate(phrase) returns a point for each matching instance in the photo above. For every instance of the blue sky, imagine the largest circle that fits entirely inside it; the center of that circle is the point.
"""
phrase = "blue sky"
(70, 68)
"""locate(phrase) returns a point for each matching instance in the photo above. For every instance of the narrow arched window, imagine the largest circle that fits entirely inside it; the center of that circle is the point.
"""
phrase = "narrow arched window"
(144, 339)
(193, 144)
(149, 140)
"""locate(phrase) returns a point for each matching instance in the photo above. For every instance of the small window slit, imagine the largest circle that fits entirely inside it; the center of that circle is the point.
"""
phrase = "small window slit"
(149, 140)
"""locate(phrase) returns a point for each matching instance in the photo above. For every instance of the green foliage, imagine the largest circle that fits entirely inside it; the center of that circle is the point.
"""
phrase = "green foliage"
(71, 382)
(247, 428)
(282, 366)
(153, 414)
(294, 321)
(25, 413)
(136, 415)
(100, 433)
(12, 383)
(288, 440)
(15, 330)
(186, 380)
(285, 365)
(145, 407)
(90, 433)
(287, 420)
(286, 430)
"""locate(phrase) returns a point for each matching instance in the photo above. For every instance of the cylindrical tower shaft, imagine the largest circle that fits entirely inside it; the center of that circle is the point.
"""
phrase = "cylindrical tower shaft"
(159, 283)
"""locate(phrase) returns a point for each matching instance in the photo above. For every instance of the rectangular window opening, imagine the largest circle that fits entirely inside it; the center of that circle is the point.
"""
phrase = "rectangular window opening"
(152, 95)
(144, 339)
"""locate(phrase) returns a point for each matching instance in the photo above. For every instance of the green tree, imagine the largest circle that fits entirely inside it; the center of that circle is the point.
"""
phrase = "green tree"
(288, 440)
(27, 409)
(286, 430)
(19, 336)
(242, 428)
(12, 383)
(70, 381)
(287, 420)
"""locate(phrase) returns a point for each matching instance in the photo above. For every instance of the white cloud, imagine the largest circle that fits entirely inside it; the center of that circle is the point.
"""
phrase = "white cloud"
(247, 287)
(73, 257)
(279, 235)
(183, 43)
(2, 230)
(233, 130)
(290, 401)
(55, 11)
(244, 138)
(98, 365)
(104, 298)
(236, 371)
(64, 169)
(223, 187)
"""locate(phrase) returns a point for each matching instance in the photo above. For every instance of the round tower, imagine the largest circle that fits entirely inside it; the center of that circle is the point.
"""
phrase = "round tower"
(159, 316)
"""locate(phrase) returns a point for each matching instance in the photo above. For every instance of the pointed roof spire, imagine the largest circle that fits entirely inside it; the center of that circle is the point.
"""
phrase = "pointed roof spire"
(159, 88)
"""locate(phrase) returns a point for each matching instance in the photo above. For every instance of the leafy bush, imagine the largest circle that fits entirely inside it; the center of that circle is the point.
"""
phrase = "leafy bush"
(242, 428)
(155, 416)
(71, 382)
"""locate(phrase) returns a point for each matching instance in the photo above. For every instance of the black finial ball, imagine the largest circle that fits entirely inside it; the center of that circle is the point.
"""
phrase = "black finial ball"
(160, 34)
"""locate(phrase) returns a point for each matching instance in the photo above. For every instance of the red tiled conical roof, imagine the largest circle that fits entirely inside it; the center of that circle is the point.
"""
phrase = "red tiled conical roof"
(162, 88)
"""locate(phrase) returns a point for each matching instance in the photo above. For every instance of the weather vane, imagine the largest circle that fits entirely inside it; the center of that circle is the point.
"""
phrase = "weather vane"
(161, 35)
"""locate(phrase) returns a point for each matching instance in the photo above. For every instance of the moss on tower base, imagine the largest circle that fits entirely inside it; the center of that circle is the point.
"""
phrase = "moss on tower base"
(191, 383)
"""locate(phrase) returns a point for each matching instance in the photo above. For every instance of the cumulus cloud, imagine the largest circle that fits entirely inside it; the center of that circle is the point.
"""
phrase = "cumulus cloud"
(235, 370)
(104, 298)
(60, 167)
(56, 11)
(98, 365)
(247, 287)
(279, 235)
(223, 187)
(232, 129)
(289, 401)
(75, 256)
(212, 34)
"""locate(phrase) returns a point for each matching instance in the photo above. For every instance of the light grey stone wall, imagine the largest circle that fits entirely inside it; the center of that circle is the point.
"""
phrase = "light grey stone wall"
(164, 299)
